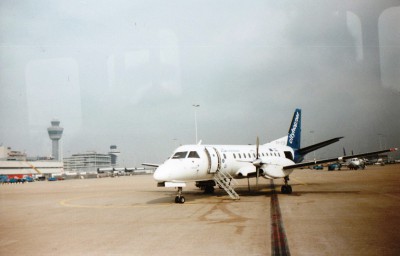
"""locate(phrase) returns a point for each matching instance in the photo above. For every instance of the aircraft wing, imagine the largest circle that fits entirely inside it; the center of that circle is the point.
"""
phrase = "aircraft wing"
(134, 168)
(151, 165)
(340, 159)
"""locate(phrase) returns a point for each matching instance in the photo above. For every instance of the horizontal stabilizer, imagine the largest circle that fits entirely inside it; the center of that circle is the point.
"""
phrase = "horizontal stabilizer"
(306, 150)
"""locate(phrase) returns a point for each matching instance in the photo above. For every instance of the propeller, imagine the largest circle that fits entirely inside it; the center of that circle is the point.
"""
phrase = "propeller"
(257, 162)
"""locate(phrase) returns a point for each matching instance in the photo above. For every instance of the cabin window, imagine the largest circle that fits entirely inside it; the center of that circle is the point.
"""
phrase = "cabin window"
(244, 155)
(239, 155)
(254, 155)
(224, 156)
(193, 154)
(249, 155)
(179, 155)
(234, 156)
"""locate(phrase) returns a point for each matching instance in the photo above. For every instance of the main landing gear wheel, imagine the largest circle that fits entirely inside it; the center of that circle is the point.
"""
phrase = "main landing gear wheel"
(286, 189)
(179, 199)
(209, 189)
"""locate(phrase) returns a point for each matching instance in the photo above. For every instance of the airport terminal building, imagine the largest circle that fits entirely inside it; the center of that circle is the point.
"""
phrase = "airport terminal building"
(17, 164)
(87, 162)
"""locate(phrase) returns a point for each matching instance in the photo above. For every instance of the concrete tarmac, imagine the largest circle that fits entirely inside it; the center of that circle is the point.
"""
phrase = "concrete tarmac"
(329, 213)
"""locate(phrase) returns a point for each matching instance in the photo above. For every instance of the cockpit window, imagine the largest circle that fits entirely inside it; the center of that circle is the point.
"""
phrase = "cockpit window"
(179, 155)
(193, 154)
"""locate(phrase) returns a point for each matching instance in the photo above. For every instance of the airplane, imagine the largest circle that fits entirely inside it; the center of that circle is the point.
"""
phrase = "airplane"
(210, 165)
(121, 170)
(354, 163)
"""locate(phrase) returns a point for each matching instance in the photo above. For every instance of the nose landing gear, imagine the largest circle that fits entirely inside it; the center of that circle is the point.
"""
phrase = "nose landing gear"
(179, 199)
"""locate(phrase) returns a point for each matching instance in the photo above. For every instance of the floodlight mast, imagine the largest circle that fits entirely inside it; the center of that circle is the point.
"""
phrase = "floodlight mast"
(195, 119)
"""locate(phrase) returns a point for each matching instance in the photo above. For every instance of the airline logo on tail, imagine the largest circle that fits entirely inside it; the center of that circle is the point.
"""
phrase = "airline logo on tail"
(294, 133)
(294, 127)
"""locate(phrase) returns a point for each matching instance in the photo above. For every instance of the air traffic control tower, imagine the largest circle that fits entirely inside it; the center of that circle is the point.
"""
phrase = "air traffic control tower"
(55, 133)
(114, 153)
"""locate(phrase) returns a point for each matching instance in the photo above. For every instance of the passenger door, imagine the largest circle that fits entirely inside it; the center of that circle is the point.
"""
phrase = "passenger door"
(214, 159)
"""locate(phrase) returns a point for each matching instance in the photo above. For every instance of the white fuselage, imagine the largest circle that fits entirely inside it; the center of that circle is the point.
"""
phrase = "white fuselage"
(201, 162)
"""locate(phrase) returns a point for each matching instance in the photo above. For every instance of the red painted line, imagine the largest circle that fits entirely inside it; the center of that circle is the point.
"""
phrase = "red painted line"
(279, 244)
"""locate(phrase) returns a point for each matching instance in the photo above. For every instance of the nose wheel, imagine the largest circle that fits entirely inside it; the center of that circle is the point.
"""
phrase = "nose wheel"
(179, 199)
(286, 189)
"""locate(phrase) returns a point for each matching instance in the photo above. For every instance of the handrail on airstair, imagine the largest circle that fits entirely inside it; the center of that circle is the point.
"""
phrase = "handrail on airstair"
(224, 180)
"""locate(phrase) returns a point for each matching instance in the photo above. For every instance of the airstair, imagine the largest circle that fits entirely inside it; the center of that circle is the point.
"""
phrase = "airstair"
(224, 180)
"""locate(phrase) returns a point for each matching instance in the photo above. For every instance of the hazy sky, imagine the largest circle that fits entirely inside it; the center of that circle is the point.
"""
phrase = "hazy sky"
(128, 72)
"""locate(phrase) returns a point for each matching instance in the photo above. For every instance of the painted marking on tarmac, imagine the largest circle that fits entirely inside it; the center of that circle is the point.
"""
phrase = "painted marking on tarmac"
(279, 244)
(384, 194)
(391, 196)
(69, 203)
(299, 181)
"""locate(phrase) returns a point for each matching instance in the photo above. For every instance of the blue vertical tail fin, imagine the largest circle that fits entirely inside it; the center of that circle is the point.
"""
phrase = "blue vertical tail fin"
(294, 139)
(294, 133)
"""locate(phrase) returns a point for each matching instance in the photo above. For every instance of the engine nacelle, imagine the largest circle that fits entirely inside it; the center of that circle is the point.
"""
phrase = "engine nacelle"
(273, 171)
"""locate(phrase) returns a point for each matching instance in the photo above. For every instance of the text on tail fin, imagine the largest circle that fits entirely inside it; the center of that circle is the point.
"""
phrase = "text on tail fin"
(294, 134)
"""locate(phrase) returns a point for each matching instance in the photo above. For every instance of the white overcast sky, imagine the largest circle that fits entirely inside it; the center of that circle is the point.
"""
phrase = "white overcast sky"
(128, 72)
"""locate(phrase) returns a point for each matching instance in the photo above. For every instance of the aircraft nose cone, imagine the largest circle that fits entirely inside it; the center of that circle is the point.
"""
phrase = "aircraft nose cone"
(161, 174)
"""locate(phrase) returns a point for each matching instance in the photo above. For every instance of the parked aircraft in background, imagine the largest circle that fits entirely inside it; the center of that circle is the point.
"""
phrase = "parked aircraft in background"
(354, 163)
(120, 170)
(210, 165)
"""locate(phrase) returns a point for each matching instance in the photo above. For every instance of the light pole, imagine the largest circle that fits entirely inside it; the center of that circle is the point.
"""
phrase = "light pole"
(195, 118)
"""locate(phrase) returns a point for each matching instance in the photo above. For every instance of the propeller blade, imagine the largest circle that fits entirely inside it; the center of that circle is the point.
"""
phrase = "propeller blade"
(257, 162)
(257, 146)
(258, 174)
